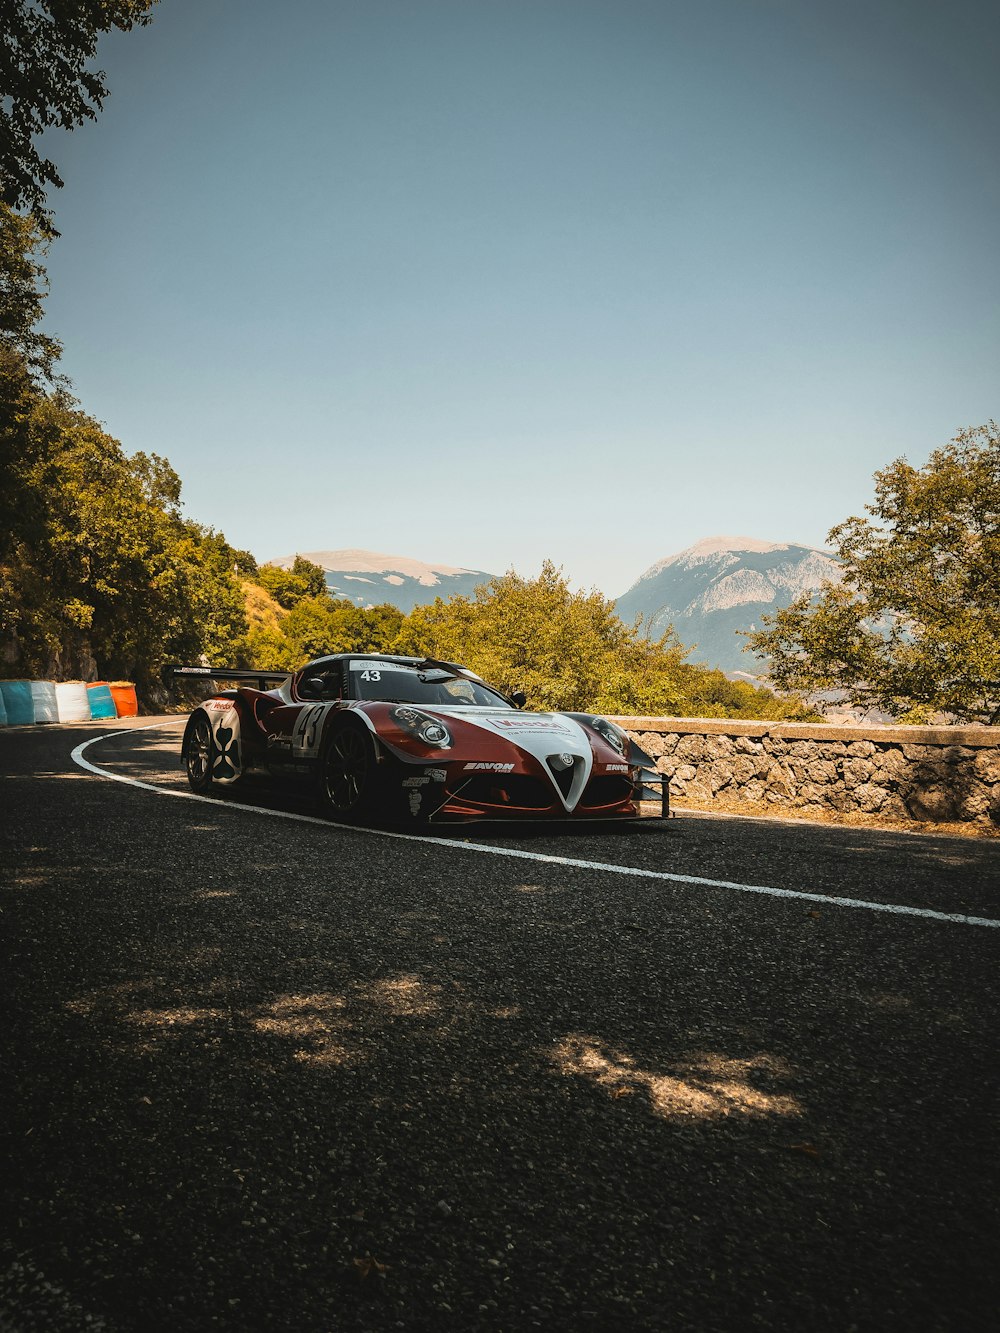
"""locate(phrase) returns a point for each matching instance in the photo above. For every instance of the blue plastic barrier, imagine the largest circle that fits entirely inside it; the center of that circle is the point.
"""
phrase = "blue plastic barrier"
(18, 702)
(101, 703)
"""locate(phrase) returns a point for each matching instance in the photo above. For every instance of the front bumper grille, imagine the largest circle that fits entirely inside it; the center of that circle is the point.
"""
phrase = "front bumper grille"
(609, 789)
(514, 791)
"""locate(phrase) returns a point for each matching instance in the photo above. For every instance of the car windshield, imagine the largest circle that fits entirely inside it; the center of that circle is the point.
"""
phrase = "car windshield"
(396, 682)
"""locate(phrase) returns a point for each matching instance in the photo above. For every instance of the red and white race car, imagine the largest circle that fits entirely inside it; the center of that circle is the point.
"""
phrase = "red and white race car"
(411, 740)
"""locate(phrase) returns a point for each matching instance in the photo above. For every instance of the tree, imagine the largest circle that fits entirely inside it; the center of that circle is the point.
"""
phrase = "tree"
(23, 288)
(45, 82)
(26, 357)
(709, 692)
(314, 627)
(914, 628)
(289, 586)
(565, 650)
(317, 626)
(98, 565)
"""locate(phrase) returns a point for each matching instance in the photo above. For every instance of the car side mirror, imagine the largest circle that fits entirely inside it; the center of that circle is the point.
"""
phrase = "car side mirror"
(518, 698)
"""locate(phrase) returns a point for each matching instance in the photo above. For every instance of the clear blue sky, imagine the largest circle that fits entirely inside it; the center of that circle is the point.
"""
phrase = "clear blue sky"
(488, 281)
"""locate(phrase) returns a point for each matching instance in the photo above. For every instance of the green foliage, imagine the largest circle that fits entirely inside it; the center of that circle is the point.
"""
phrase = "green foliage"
(321, 625)
(97, 563)
(45, 82)
(23, 288)
(265, 648)
(914, 628)
(316, 626)
(26, 357)
(710, 693)
(289, 586)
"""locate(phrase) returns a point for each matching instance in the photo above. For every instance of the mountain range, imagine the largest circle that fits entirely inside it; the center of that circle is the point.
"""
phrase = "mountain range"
(722, 585)
(369, 579)
(707, 592)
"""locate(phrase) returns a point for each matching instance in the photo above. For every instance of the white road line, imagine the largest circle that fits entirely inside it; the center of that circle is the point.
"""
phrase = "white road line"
(513, 853)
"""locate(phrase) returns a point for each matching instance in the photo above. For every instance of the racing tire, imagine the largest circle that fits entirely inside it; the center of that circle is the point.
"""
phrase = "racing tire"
(347, 777)
(199, 755)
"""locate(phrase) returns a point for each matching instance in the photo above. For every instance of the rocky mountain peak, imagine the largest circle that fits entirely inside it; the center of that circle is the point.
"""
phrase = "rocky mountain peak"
(711, 549)
(722, 585)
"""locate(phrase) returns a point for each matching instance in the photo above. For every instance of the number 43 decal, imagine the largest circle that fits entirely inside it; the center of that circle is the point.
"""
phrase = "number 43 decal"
(306, 733)
(368, 674)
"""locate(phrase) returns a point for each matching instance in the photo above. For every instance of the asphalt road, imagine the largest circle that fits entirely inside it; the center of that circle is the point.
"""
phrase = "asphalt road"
(262, 1072)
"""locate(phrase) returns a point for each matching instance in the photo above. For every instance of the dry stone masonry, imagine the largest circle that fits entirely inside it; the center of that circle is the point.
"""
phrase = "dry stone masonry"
(931, 774)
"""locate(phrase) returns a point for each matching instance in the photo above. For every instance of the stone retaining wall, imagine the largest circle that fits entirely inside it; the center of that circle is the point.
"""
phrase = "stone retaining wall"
(901, 773)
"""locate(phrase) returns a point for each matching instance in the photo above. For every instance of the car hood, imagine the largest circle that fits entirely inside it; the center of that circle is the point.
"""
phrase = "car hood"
(542, 735)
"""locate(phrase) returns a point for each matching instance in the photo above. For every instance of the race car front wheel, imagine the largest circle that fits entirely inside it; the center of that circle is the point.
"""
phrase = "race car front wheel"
(199, 753)
(347, 774)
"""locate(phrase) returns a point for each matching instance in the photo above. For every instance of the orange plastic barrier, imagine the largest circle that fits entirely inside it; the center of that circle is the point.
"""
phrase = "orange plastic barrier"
(123, 693)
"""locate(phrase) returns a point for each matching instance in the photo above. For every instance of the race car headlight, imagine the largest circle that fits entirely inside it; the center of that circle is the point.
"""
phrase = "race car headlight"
(614, 736)
(430, 730)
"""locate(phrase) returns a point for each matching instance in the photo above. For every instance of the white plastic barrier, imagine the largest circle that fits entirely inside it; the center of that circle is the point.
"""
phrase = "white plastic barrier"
(72, 701)
(43, 696)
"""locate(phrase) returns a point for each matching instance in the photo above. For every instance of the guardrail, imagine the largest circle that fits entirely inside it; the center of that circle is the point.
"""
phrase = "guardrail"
(924, 774)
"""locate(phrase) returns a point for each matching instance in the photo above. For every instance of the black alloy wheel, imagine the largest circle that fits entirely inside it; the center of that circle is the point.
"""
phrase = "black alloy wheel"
(200, 754)
(347, 774)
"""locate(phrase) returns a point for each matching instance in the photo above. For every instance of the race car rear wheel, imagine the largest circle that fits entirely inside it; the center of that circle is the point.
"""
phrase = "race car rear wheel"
(347, 774)
(199, 753)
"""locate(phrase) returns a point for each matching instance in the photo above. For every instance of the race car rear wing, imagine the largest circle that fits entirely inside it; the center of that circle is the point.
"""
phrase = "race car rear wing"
(172, 673)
